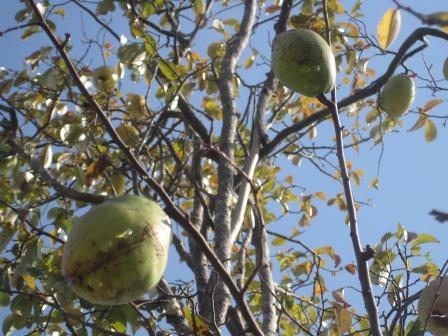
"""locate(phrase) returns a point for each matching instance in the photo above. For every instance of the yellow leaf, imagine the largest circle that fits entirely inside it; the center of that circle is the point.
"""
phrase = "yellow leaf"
(197, 323)
(430, 131)
(388, 27)
(319, 288)
(355, 178)
(30, 281)
(118, 181)
(374, 183)
(249, 61)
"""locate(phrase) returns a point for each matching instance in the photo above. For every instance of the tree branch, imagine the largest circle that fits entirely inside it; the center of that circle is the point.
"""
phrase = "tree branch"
(223, 242)
(257, 134)
(368, 91)
(172, 210)
(363, 267)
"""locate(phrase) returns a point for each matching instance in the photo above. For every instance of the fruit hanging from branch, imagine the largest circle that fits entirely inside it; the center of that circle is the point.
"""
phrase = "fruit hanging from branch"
(445, 69)
(117, 251)
(433, 307)
(105, 79)
(397, 95)
(303, 62)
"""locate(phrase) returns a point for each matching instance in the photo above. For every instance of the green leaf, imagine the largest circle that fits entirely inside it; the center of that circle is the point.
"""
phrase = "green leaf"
(7, 325)
(4, 299)
(278, 241)
(5, 237)
(167, 69)
(104, 7)
(424, 238)
(415, 328)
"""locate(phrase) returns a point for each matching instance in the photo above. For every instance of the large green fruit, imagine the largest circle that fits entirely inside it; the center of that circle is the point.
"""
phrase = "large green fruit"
(117, 251)
(445, 69)
(397, 95)
(437, 318)
(303, 62)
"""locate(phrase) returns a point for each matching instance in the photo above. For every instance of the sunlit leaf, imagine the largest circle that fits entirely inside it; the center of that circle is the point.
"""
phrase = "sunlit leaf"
(199, 7)
(47, 156)
(30, 281)
(278, 241)
(218, 25)
(388, 27)
(430, 131)
(249, 62)
(350, 268)
(424, 238)
(320, 195)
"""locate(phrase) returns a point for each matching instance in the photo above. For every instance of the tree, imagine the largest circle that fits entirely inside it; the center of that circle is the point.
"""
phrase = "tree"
(195, 119)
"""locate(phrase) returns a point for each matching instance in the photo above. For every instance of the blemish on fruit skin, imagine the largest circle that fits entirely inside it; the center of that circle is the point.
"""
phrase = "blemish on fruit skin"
(110, 256)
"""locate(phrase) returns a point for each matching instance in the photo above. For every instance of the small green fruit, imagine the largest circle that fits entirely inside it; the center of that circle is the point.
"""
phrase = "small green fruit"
(303, 62)
(117, 251)
(397, 95)
(129, 134)
(445, 69)
(438, 317)
(136, 106)
(105, 79)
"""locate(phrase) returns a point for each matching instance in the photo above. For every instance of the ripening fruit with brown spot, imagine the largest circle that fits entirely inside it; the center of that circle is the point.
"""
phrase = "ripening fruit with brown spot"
(117, 251)
(433, 306)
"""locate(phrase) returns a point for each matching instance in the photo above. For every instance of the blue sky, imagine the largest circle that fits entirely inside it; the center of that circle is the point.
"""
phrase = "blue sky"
(412, 173)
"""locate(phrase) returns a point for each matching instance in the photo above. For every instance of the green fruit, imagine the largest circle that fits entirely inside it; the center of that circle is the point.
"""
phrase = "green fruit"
(129, 134)
(117, 251)
(445, 69)
(397, 96)
(136, 106)
(303, 62)
(437, 318)
(105, 79)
